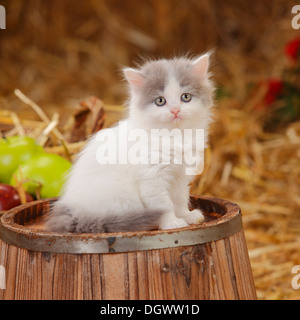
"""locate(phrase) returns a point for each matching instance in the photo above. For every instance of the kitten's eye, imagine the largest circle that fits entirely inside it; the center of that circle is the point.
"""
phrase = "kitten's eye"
(160, 101)
(186, 97)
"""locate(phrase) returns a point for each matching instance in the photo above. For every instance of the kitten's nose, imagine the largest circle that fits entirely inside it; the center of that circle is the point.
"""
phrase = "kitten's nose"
(175, 111)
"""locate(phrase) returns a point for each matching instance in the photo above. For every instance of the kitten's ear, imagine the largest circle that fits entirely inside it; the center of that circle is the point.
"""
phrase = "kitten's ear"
(134, 77)
(201, 65)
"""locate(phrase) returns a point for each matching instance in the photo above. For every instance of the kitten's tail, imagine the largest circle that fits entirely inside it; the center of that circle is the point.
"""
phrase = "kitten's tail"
(61, 220)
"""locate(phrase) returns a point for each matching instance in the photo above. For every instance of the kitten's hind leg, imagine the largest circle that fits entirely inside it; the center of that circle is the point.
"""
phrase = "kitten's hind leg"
(60, 219)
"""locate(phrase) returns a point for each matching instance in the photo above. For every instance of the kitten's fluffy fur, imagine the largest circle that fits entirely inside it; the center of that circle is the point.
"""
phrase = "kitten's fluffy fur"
(128, 197)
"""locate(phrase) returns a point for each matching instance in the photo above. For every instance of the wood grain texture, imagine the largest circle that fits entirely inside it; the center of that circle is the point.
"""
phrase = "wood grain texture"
(216, 270)
(219, 269)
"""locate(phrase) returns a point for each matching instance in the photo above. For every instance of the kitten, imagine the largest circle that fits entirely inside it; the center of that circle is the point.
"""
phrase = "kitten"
(164, 94)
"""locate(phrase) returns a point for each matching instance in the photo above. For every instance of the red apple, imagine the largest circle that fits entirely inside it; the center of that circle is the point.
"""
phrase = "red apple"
(9, 197)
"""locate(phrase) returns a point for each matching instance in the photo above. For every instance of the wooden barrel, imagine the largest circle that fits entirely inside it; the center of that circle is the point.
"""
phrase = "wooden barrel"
(202, 261)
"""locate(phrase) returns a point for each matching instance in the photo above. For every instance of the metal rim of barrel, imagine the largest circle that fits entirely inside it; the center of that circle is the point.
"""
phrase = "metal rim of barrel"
(229, 223)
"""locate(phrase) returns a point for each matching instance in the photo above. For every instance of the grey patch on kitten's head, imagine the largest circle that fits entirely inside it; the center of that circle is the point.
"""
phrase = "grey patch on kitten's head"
(156, 75)
(153, 76)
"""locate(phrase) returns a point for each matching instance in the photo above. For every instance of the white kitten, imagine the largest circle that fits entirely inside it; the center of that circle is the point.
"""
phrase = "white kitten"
(164, 94)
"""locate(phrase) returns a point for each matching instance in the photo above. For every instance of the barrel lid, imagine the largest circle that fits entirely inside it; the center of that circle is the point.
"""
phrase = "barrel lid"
(222, 219)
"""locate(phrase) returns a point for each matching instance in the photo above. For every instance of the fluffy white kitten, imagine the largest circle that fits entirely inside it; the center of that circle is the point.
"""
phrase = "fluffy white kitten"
(164, 94)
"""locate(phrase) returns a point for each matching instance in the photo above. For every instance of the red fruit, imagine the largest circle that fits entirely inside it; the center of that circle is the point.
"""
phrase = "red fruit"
(292, 49)
(9, 197)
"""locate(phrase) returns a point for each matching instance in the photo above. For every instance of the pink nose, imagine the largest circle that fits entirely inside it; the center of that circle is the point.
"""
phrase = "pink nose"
(175, 111)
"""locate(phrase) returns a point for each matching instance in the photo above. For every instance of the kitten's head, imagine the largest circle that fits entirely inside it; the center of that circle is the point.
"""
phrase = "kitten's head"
(171, 93)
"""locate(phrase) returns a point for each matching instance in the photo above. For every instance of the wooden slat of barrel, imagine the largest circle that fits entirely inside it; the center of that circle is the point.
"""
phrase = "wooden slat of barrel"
(213, 270)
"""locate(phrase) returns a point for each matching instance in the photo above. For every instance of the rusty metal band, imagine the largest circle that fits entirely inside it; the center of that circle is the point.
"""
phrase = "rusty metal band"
(103, 243)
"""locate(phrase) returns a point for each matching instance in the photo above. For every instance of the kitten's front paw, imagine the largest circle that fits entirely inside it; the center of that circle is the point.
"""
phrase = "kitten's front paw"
(194, 216)
(173, 224)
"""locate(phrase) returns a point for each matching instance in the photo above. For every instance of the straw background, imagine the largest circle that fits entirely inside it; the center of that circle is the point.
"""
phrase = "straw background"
(59, 52)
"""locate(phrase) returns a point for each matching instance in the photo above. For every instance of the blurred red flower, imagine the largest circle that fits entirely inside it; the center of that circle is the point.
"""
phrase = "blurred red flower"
(274, 89)
(292, 49)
